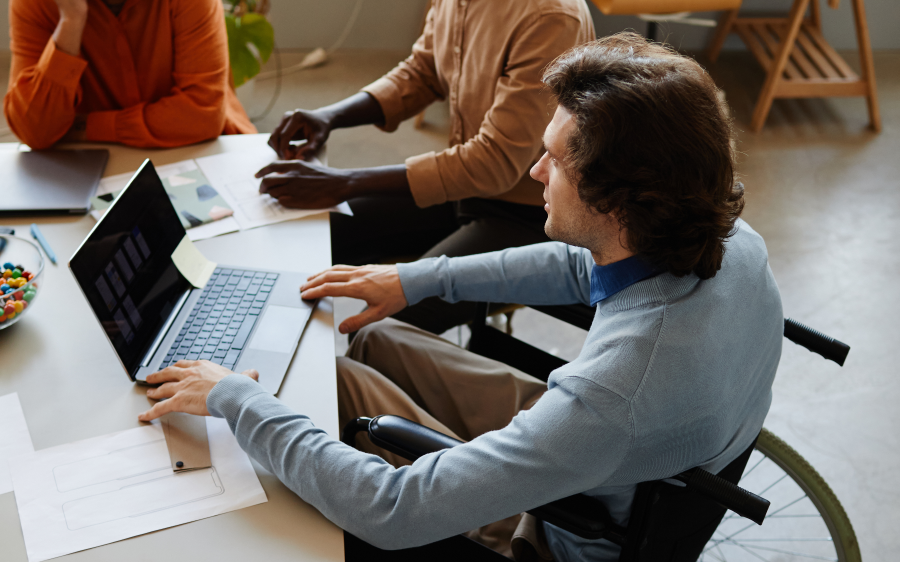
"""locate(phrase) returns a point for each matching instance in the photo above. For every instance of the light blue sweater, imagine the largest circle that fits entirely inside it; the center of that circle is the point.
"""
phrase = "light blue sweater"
(675, 373)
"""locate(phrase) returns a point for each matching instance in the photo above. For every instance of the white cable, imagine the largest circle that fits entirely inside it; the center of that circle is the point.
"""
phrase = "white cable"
(350, 21)
(319, 56)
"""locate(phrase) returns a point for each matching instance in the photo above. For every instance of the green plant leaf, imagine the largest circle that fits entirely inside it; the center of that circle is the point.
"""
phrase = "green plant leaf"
(249, 29)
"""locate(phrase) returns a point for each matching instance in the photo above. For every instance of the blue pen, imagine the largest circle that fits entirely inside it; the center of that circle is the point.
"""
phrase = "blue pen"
(36, 232)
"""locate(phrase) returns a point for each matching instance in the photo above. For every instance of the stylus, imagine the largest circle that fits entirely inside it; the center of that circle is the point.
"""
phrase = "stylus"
(36, 232)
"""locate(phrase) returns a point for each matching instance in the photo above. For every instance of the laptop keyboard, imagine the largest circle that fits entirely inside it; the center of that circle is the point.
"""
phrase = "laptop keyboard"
(223, 318)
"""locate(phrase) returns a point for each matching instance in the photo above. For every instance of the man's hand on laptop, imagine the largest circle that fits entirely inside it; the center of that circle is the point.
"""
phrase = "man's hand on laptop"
(378, 285)
(186, 384)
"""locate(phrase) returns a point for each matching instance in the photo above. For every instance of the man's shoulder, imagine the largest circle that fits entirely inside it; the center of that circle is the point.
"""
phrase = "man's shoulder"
(530, 9)
(745, 249)
(574, 7)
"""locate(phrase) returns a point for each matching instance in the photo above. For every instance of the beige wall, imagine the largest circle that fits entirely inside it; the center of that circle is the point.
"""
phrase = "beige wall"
(393, 24)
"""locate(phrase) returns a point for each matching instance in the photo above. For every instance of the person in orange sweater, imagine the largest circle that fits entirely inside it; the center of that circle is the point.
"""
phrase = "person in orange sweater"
(148, 73)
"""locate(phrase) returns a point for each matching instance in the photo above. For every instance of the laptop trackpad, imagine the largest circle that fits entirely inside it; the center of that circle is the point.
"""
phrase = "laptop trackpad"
(279, 329)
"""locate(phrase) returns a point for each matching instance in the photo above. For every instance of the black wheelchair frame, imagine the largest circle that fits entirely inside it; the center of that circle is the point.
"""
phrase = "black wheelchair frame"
(667, 522)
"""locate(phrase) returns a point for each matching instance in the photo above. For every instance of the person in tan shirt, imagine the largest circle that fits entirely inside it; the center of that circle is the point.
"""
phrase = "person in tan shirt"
(486, 57)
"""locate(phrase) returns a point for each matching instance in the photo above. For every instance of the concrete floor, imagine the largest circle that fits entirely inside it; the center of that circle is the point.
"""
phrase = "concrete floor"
(824, 192)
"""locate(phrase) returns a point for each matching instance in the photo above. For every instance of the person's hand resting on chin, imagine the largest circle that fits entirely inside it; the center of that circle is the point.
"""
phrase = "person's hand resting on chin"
(186, 384)
(378, 285)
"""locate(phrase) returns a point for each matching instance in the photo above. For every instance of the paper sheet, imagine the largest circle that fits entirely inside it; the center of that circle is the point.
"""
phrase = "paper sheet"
(232, 175)
(14, 437)
(192, 264)
(211, 229)
(118, 182)
(106, 489)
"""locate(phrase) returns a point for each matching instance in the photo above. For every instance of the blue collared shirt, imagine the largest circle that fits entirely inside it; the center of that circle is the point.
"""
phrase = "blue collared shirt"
(607, 280)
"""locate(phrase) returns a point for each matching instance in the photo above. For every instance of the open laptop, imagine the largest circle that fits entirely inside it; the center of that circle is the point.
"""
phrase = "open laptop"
(50, 181)
(153, 316)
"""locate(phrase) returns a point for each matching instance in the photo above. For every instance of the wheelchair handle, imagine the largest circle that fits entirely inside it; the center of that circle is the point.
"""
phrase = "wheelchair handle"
(816, 341)
(728, 495)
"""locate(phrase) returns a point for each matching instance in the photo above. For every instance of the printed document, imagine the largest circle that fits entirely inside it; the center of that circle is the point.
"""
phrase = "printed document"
(14, 437)
(102, 490)
(232, 174)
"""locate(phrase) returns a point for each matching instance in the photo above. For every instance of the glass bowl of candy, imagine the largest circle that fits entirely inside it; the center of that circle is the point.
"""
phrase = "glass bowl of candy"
(20, 277)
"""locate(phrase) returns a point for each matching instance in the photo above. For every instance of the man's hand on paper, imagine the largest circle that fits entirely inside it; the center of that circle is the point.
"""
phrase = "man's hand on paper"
(300, 124)
(378, 285)
(186, 384)
(303, 185)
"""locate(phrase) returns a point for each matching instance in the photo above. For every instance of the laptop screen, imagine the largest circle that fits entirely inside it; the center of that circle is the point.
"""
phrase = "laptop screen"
(125, 268)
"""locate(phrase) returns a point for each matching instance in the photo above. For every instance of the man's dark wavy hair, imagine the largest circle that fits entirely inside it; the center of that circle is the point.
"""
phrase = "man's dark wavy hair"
(653, 145)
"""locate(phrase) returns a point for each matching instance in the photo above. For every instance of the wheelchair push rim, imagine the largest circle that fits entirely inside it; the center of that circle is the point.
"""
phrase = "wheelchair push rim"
(778, 472)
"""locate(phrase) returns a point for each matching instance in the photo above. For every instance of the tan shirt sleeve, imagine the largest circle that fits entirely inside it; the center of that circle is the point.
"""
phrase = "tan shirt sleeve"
(509, 140)
(412, 85)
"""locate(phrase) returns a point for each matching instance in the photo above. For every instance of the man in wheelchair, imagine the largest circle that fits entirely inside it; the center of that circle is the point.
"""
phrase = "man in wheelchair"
(676, 371)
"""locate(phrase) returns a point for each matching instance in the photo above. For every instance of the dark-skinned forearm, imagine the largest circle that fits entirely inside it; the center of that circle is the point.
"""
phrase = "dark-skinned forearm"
(381, 181)
(359, 109)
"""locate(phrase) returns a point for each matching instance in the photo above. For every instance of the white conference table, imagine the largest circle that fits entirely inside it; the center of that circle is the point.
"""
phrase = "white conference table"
(72, 386)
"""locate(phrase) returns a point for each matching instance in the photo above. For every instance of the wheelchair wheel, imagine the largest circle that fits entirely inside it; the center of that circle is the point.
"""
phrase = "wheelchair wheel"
(805, 521)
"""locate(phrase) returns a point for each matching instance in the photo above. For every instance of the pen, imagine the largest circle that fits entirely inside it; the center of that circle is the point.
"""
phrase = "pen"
(35, 231)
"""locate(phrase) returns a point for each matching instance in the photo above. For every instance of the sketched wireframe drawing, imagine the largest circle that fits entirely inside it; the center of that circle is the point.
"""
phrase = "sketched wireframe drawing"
(120, 464)
(133, 498)
(171, 489)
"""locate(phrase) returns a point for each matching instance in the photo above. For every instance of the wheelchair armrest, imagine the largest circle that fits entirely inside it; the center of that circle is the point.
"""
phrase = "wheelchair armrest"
(579, 514)
(407, 438)
(728, 495)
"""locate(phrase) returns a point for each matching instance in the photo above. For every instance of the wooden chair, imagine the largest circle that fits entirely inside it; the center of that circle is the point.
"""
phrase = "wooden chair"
(648, 8)
(799, 63)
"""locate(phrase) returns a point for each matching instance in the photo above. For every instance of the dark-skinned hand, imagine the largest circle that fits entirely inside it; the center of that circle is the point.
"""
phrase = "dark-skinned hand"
(300, 124)
(303, 185)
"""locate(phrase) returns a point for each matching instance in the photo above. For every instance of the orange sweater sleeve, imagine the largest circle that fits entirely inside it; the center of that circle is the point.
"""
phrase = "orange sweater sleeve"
(195, 108)
(44, 82)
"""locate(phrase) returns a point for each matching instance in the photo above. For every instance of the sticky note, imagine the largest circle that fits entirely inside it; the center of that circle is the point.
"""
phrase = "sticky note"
(192, 264)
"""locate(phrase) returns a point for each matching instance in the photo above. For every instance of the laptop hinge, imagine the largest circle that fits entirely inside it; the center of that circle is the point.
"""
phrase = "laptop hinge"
(165, 329)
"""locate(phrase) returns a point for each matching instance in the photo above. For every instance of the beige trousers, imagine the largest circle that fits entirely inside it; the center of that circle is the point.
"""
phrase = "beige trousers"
(395, 368)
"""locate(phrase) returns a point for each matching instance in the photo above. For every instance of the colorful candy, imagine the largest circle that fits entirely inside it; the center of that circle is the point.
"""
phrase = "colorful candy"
(17, 290)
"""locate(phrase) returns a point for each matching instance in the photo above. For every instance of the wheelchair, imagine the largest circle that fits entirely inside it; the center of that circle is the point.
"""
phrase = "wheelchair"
(692, 516)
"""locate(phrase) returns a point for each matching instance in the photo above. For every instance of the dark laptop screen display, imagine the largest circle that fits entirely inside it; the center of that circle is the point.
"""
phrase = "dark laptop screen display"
(125, 266)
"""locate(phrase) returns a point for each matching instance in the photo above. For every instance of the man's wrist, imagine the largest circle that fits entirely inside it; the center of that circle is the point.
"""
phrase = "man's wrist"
(330, 116)
(379, 181)
(353, 184)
